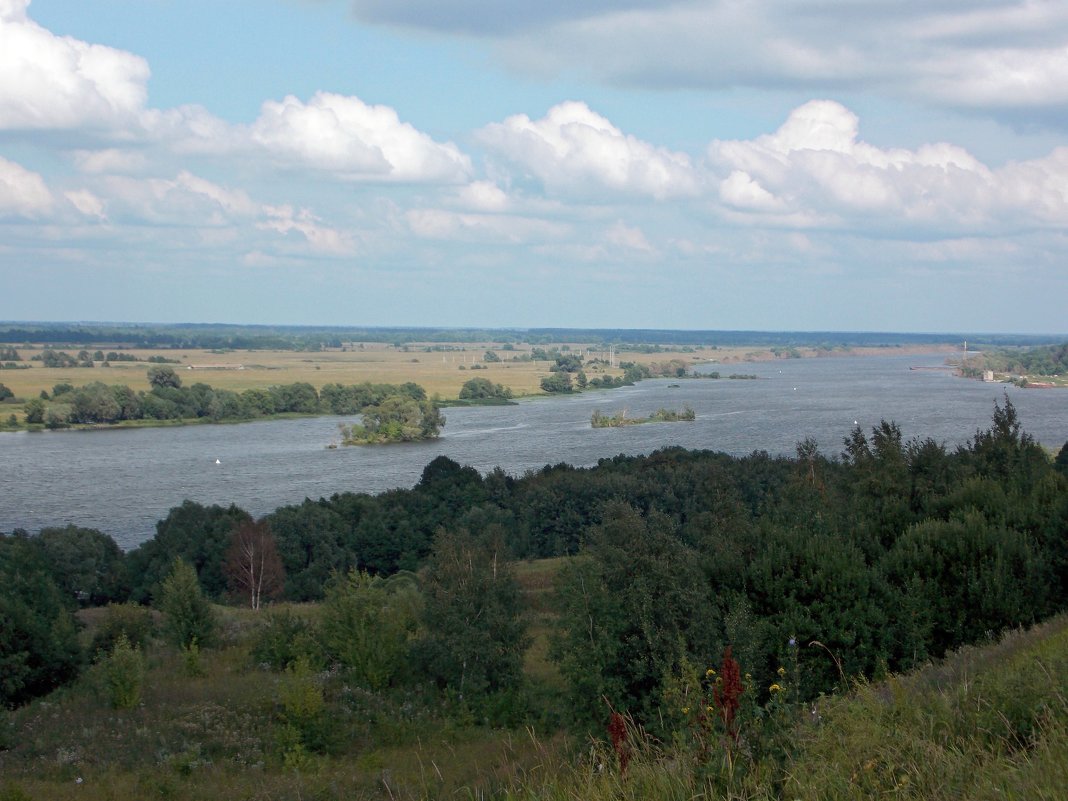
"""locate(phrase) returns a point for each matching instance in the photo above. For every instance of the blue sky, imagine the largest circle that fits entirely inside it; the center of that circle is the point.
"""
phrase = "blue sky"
(841, 165)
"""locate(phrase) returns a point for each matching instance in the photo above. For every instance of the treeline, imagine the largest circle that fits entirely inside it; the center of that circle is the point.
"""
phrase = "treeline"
(169, 399)
(1048, 361)
(312, 338)
(887, 554)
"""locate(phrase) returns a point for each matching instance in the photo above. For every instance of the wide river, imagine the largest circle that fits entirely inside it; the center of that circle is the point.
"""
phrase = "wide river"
(124, 481)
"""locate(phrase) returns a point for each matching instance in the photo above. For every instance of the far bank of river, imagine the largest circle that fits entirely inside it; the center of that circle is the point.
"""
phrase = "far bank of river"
(124, 481)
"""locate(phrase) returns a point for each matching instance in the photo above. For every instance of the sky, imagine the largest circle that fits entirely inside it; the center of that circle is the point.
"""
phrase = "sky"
(828, 165)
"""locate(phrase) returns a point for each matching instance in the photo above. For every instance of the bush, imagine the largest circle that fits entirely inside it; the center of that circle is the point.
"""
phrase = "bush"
(123, 621)
(123, 674)
(283, 638)
(189, 619)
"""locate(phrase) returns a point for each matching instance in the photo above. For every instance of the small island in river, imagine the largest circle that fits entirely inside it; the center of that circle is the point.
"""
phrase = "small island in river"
(620, 419)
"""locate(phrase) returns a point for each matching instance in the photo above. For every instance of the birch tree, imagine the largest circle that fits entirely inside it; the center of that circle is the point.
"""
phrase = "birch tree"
(253, 567)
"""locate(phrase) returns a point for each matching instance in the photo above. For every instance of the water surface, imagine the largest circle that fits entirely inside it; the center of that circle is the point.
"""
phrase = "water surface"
(124, 481)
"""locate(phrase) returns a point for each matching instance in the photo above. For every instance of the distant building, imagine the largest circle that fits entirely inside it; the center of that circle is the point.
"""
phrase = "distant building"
(988, 375)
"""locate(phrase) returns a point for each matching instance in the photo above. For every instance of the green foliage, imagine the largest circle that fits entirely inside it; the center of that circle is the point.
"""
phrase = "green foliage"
(630, 612)
(305, 724)
(85, 563)
(557, 382)
(160, 377)
(123, 674)
(5, 393)
(398, 418)
(367, 626)
(474, 633)
(482, 388)
(284, 637)
(130, 622)
(38, 636)
(197, 534)
(34, 410)
(189, 621)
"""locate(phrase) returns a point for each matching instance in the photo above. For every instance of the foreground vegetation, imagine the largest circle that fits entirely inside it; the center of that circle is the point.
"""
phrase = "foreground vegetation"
(684, 624)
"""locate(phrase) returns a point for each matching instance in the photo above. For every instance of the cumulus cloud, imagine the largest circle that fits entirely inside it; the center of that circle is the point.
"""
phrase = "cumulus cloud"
(22, 193)
(343, 134)
(57, 82)
(574, 149)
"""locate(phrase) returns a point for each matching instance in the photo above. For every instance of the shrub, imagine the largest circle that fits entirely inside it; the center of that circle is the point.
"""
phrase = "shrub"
(123, 621)
(189, 619)
(123, 674)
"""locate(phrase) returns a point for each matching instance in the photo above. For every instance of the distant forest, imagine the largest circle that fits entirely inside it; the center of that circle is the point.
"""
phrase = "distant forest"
(282, 337)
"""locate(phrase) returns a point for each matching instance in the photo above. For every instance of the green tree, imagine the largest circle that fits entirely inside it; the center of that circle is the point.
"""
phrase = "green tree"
(189, 620)
(85, 563)
(38, 634)
(5, 393)
(35, 410)
(557, 382)
(367, 624)
(480, 388)
(474, 631)
(161, 376)
(631, 608)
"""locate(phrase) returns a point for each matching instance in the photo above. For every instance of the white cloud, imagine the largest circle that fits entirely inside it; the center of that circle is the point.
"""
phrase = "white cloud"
(815, 170)
(54, 82)
(342, 134)
(109, 160)
(574, 149)
(321, 238)
(22, 193)
(501, 229)
(87, 203)
(628, 238)
(483, 196)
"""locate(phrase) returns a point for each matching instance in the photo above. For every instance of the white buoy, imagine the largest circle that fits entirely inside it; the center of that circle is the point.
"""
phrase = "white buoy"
(217, 462)
(855, 422)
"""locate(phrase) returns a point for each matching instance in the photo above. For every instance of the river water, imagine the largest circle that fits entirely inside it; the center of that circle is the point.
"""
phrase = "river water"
(123, 481)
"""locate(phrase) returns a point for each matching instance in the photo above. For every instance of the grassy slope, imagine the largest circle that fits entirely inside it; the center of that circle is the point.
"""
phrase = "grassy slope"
(989, 722)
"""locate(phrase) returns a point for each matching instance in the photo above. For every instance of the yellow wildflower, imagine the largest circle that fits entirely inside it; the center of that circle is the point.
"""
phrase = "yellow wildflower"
(775, 688)
(710, 672)
(781, 671)
(686, 710)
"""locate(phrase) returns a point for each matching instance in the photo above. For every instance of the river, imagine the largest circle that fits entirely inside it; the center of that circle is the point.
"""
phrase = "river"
(123, 481)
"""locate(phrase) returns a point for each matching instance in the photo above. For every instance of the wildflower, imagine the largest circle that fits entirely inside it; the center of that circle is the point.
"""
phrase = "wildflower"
(710, 672)
(775, 688)
(709, 710)
(686, 710)
(725, 695)
(748, 676)
(793, 642)
(781, 671)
